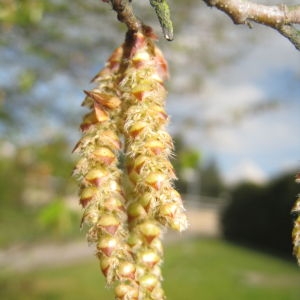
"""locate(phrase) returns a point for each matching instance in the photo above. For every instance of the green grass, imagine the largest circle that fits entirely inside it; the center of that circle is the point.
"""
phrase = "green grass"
(202, 269)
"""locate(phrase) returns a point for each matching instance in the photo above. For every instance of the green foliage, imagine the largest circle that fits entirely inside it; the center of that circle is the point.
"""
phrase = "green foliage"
(260, 216)
(17, 225)
(57, 218)
(26, 80)
(204, 269)
(56, 153)
(189, 158)
(21, 12)
(185, 160)
(11, 181)
(185, 157)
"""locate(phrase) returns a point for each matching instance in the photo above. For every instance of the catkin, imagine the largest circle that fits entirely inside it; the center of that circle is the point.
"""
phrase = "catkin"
(101, 191)
(296, 229)
(128, 202)
(153, 201)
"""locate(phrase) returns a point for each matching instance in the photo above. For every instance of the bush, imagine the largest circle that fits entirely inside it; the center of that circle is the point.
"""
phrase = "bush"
(260, 216)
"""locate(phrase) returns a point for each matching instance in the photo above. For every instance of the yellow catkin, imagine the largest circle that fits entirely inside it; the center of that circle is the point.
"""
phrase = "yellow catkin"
(128, 105)
(153, 201)
(101, 191)
(296, 229)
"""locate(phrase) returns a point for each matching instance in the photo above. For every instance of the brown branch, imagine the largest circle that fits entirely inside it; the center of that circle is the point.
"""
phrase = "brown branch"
(279, 17)
(125, 14)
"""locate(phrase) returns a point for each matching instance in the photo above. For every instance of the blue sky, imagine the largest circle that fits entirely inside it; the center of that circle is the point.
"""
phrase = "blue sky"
(261, 144)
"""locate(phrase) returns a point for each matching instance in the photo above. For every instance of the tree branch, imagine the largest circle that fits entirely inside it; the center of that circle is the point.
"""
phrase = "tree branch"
(279, 17)
(291, 33)
(125, 14)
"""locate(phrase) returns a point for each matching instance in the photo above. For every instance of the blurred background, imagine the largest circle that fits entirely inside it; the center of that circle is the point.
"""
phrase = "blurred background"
(234, 106)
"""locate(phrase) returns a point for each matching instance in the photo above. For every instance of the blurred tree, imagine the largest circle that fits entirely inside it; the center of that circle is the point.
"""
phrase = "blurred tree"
(186, 163)
(35, 186)
(211, 181)
(47, 166)
(259, 215)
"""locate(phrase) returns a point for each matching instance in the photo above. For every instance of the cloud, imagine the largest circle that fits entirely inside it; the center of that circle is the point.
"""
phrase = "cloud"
(217, 120)
(221, 100)
(245, 171)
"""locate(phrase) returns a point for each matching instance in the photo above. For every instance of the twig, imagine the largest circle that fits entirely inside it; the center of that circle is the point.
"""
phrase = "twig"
(125, 14)
(279, 17)
(292, 34)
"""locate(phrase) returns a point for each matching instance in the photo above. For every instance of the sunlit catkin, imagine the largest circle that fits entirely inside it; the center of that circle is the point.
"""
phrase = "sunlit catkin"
(101, 191)
(153, 202)
(296, 229)
(128, 106)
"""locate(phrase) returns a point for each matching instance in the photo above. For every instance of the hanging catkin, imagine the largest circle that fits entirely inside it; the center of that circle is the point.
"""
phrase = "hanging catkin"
(296, 229)
(128, 204)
